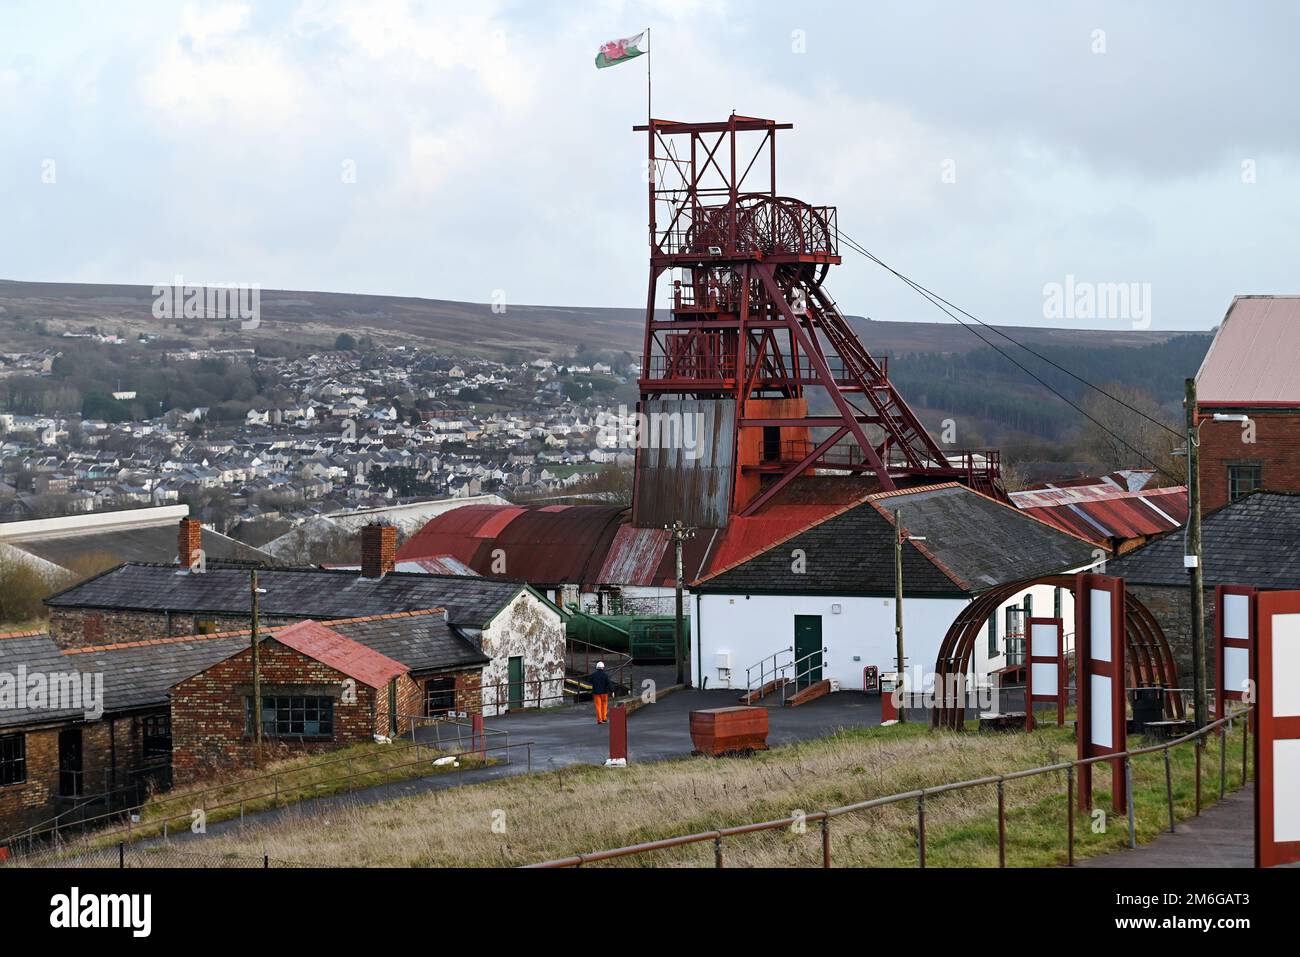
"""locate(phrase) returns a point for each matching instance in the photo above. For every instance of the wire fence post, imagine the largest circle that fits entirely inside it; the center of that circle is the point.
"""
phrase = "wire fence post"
(1169, 789)
(826, 842)
(121, 856)
(717, 851)
(1128, 789)
(920, 830)
(1069, 814)
(1223, 759)
(1200, 746)
(1245, 752)
(1002, 824)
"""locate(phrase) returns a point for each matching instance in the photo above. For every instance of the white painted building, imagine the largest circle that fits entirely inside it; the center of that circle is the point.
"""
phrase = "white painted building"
(830, 588)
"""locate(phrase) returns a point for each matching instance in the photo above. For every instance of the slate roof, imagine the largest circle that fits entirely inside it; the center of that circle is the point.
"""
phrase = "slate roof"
(38, 652)
(341, 653)
(422, 640)
(290, 592)
(1252, 541)
(981, 540)
(139, 674)
(851, 553)
(972, 543)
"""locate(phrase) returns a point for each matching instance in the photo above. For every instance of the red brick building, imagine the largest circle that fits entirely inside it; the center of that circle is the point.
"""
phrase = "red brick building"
(320, 690)
(517, 634)
(62, 763)
(1252, 369)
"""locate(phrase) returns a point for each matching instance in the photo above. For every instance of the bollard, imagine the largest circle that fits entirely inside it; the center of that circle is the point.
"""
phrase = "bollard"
(618, 732)
(480, 740)
(888, 708)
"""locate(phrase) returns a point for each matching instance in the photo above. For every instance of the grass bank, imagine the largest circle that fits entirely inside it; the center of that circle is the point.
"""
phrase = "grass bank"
(523, 820)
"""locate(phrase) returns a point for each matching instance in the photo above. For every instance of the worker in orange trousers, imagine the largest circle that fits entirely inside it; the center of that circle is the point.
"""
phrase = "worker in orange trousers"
(601, 687)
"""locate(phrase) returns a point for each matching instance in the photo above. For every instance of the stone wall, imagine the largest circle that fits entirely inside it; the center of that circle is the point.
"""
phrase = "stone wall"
(89, 627)
(1171, 605)
(531, 629)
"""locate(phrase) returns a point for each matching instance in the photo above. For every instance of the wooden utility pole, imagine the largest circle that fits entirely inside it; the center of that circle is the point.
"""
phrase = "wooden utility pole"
(1192, 558)
(681, 532)
(898, 608)
(257, 669)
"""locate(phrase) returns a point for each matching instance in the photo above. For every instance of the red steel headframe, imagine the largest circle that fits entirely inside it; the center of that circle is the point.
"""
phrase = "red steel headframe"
(750, 319)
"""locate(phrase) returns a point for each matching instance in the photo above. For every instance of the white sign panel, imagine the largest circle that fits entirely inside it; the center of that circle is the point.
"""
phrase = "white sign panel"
(1099, 689)
(1044, 678)
(1044, 641)
(1099, 606)
(1286, 666)
(1236, 669)
(1236, 616)
(1286, 789)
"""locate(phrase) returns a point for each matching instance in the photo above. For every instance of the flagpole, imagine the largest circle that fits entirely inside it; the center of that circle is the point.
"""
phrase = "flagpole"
(649, 52)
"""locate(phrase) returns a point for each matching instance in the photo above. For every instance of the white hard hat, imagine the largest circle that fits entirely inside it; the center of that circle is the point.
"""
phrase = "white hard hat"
(600, 664)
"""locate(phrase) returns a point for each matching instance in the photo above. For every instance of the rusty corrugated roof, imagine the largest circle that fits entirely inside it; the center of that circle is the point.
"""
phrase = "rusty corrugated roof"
(635, 556)
(543, 545)
(1100, 513)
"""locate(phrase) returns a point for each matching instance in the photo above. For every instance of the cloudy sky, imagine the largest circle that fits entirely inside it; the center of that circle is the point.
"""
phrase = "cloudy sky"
(450, 149)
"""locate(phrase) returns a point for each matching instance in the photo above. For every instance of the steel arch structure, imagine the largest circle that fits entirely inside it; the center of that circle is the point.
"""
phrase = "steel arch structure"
(1149, 659)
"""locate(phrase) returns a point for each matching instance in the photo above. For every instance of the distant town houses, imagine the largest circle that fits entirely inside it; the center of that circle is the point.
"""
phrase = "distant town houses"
(346, 429)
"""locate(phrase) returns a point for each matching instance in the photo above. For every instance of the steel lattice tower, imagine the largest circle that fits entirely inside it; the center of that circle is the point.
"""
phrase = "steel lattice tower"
(754, 339)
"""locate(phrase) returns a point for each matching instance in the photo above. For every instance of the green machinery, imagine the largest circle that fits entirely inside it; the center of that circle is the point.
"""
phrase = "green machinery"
(644, 637)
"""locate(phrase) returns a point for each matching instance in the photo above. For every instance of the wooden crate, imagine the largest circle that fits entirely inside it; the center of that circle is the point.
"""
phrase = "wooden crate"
(729, 730)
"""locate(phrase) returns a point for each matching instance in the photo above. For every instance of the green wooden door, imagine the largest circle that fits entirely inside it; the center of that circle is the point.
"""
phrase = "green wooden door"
(808, 644)
(515, 677)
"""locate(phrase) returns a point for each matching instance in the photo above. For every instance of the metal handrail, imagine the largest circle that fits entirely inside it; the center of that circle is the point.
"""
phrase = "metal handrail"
(919, 795)
(762, 669)
(805, 672)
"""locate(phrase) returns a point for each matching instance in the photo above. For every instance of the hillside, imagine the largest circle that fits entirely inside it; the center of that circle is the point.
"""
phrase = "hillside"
(460, 328)
(945, 371)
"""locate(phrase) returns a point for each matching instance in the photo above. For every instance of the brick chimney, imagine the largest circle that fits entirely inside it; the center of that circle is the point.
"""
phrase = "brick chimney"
(189, 539)
(378, 550)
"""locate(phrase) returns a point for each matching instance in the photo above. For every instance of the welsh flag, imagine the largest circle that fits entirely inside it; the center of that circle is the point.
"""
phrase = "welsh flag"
(619, 51)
